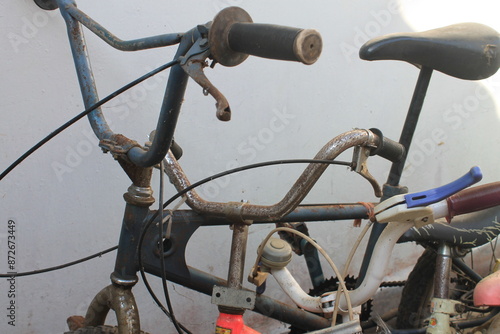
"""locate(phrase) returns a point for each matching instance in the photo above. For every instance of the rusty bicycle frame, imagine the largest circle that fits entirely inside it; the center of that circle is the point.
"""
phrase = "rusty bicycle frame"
(138, 161)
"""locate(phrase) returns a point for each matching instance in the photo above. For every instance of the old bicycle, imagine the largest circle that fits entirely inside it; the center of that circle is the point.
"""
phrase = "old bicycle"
(235, 211)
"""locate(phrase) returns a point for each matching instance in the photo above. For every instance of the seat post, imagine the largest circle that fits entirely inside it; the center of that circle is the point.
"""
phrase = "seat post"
(392, 187)
(410, 124)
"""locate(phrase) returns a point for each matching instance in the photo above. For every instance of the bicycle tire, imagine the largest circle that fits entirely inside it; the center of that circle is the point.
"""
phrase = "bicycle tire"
(416, 292)
(104, 329)
(414, 306)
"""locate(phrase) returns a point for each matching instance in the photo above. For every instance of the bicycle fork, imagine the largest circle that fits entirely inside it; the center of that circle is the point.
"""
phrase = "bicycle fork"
(118, 296)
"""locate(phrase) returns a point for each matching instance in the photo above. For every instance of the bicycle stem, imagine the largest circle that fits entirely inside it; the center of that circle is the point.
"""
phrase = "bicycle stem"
(246, 211)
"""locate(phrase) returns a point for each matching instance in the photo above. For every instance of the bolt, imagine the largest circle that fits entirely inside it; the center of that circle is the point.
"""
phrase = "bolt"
(203, 42)
(202, 29)
(460, 308)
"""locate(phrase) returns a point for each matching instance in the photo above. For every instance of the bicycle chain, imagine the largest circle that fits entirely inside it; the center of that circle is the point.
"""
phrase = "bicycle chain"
(392, 284)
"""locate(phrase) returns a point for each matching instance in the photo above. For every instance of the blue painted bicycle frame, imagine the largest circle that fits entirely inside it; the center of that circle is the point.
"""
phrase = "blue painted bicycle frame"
(134, 216)
(125, 267)
(175, 87)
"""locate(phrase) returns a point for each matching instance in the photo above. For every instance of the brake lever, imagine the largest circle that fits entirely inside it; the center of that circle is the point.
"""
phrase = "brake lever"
(193, 64)
(359, 159)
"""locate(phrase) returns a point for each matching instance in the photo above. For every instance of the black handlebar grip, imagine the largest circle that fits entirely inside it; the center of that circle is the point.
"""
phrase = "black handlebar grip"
(276, 42)
(388, 148)
(233, 36)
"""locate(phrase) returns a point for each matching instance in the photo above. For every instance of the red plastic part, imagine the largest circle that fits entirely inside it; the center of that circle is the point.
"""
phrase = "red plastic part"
(474, 199)
(232, 324)
(487, 291)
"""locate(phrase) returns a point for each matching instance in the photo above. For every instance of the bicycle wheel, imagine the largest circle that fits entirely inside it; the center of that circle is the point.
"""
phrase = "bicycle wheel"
(97, 330)
(414, 307)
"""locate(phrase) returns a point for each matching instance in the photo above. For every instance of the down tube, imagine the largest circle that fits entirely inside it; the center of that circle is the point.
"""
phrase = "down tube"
(204, 283)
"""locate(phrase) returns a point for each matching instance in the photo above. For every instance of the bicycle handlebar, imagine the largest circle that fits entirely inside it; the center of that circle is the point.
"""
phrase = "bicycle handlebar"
(247, 211)
(233, 36)
(300, 45)
(387, 148)
(474, 199)
(469, 200)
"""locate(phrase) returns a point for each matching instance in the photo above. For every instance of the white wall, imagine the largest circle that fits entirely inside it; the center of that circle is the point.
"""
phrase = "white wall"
(64, 214)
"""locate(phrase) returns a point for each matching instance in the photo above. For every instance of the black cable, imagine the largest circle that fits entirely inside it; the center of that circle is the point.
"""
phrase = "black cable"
(157, 301)
(83, 114)
(162, 255)
(147, 225)
(46, 270)
(463, 324)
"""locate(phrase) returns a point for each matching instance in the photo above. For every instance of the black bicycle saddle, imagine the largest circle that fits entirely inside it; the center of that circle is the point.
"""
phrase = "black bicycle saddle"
(467, 50)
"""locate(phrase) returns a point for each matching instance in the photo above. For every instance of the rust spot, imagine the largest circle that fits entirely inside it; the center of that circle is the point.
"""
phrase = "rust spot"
(490, 52)
(75, 322)
(199, 61)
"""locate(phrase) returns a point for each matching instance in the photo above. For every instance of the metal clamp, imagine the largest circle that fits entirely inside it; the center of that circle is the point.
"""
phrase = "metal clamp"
(232, 211)
(442, 309)
(118, 145)
(233, 298)
(396, 209)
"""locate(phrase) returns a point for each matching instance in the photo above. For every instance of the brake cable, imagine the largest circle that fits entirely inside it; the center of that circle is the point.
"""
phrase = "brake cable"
(84, 113)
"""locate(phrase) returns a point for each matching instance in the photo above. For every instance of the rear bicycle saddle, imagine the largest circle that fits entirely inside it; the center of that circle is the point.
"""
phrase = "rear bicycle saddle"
(467, 51)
